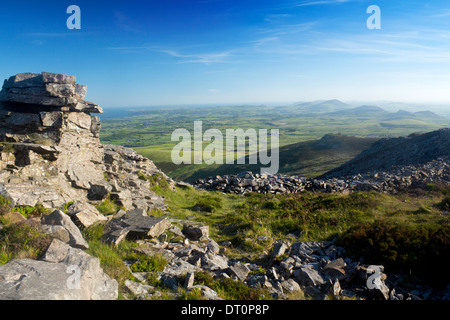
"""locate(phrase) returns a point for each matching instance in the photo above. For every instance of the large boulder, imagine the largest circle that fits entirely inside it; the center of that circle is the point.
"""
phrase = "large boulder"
(65, 273)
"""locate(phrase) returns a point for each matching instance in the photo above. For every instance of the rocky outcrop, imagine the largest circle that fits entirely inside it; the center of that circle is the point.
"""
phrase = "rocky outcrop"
(50, 152)
(50, 139)
(134, 224)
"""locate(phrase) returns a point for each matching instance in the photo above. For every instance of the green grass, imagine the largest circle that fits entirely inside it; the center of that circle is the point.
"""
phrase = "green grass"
(108, 207)
(149, 263)
(230, 289)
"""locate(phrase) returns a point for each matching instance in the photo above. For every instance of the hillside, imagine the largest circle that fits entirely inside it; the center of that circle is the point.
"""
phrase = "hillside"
(387, 153)
(307, 159)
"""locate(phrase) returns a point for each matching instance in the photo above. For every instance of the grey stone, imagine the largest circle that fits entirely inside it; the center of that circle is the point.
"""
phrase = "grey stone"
(214, 262)
(290, 286)
(23, 80)
(51, 119)
(59, 218)
(48, 77)
(123, 198)
(279, 248)
(69, 274)
(308, 277)
(57, 251)
(195, 232)
(135, 225)
(99, 190)
(207, 292)
(60, 89)
(57, 232)
(189, 280)
(80, 91)
(336, 264)
(239, 270)
(79, 120)
(85, 214)
(137, 288)
(23, 119)
(213, 247)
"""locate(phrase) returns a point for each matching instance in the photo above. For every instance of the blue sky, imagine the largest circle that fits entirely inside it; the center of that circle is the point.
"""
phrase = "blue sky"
(138, 53)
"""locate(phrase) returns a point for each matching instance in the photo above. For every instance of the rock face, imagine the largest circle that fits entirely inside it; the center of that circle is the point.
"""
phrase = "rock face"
(51, 139)
(50, 152)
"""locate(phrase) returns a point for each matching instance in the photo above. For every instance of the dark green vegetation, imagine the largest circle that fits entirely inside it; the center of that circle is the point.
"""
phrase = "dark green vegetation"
(302, 151)
(20, 240)
(407, 233)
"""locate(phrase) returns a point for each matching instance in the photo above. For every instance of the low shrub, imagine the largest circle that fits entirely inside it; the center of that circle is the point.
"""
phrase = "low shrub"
(22, 241)
(417, 249)
(5, 205)
(37, 211)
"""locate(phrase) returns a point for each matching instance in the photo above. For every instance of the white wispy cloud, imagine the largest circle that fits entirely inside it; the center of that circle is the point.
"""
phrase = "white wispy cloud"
(320, 2)
(203, 57)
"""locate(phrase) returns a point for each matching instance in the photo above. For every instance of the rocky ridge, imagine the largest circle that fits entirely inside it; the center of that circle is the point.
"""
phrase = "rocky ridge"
(393, 180)
(50, 152)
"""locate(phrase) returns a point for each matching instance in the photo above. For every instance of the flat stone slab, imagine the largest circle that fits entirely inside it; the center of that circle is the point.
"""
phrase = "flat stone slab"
(135, 225)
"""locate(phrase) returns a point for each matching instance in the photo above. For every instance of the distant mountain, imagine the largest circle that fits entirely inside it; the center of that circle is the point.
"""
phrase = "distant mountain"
(366, 110)
(400, 114)
(427, 115)
(322, 106)
(386, 153)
